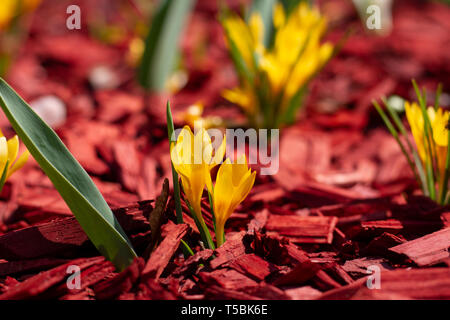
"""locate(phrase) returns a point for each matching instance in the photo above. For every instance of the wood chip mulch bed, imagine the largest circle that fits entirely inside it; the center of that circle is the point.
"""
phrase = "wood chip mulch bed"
(343, 200)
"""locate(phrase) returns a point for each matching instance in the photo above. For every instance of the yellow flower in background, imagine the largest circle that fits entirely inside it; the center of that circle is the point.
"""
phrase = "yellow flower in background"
(438, 121)
(193, 117)
(297, 51)
(176, 81)
(233, 183)
(193, 158)
(9, 160)
(296, 56)
(243, 97)
(28, 5)
(416, 123)
(242, 36)
(7, 12)
(12, 8)
(430, 130)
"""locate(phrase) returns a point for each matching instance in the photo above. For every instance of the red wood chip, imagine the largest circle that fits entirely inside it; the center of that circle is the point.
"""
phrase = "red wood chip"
(303, 229)
(161, 256)
(399, 284)
(427, 250)
(342, 201)
(41, 282)
(253, 266)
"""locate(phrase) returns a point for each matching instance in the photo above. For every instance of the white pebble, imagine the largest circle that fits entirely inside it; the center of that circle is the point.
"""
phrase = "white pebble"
(51, 109)
(102, 77)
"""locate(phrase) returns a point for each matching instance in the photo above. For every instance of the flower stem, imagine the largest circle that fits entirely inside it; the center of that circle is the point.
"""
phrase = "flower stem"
(175, 180)
(220, 235)
(202, 228)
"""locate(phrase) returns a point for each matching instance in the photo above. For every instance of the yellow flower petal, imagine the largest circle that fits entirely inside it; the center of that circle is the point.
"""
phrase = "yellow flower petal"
(416, 123)
(233, 183)
(13, 149)
(3, 154)
(219, 153)
(279, 17)
(439, 125)
(19, 163)
(256, 28)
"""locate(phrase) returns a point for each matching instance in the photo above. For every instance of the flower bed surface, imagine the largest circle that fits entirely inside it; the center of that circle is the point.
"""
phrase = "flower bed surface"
(336, 206)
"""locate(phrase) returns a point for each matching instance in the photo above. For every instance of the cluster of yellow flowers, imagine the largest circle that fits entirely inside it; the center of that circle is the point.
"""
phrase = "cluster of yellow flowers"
(12, 8)
(193, 159)
(273, 78)
(9, 160)
(439, 140)
(429, 159)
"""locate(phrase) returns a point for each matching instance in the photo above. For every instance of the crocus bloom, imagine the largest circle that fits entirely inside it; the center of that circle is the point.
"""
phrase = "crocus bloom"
(193, 158)
(233, 183)
(11, 8)
(9, 162)
(296, 55)
(193, 117)
(438, 121)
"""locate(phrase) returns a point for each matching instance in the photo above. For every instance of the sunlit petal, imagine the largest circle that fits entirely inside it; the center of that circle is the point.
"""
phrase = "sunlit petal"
(20, 162)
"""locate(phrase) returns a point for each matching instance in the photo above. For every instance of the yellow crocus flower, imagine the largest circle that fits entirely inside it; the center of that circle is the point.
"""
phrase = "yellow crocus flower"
(297, 53)
(233, 183)
(438, 121)
(430, 130)
(416, 123)
(9, 162)
(7, 12)
(11, 8)
(242, 37)
(294, 58)
(193, 158)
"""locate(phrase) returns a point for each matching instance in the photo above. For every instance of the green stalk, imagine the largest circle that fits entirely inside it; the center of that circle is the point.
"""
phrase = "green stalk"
(394, 133)
(202, 228)
(187, 248)
(3, 177)
(438, 96)
(211, 205)
(430, 161)
(176, 183)
(220, 239)
(444, 180)
(220, 236)
(418, 163)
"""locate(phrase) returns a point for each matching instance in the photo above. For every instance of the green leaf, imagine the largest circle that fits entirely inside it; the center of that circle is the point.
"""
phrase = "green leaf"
(420, 173)
(395, 134)
(289, 5)
(161, 45)
(428, 142)
(265, 9)
(244, 71)
(175, 179)
(444, 180)
(295, 103)
(69, 178)
(202, 228)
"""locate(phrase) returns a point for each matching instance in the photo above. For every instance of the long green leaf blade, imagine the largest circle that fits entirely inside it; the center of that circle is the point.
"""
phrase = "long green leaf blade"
(162, 43)
(69, 178)
(264, 8)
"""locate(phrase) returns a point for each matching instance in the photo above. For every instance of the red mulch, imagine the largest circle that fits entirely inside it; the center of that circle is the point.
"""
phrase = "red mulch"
(343, 200)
